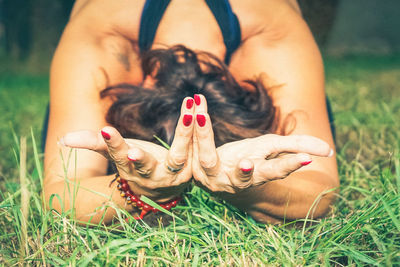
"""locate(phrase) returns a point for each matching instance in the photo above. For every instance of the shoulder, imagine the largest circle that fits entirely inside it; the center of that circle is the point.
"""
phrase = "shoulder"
(270, 17)
(100, 18)
(285, 50)
(269, 29)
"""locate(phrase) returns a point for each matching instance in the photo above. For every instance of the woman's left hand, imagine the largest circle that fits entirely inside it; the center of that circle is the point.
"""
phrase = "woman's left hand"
(250, 162)
(152, 169)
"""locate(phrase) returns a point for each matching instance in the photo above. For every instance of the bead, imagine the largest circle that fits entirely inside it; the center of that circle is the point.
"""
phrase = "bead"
(134, 198)
(147, 207)
(154, 210)
(118, 180)
(123, 181)
(128, 199)
(139, 203)
(168, 206)
(122, 194)
(125, 186)
(119, 186)
(134, 204)
(174, 203)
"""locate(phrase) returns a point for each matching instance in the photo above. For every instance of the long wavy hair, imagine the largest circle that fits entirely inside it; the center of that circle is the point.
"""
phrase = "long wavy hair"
(236, 112)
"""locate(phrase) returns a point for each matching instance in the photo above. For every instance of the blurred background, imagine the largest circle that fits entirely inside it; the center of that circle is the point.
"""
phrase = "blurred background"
(360, 43)
(30, 29)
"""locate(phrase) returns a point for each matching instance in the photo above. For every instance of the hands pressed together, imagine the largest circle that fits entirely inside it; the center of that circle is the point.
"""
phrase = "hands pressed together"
(230, 168)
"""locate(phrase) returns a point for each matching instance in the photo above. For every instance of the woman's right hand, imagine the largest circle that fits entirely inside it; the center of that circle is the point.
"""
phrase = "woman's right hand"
(154, 171)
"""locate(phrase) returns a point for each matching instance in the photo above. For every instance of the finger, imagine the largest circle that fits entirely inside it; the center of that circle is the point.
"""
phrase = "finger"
(178, 153)
(244, 170)
(117, 147)
(207, 153)
(279, 168)
(243, 174)
(85, 140)
(299, 144)
(143, 162)
(201, 103)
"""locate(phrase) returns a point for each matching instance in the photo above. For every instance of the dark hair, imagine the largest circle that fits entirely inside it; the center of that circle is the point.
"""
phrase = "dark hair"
(236, 112)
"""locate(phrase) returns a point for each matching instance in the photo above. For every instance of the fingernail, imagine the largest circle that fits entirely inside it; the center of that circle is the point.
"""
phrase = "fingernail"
(201, 120)
(189, 103)
(331, 153)
(187, 119)
(105, 135)
(197, 99)
(246, 166)
(246, 170)
(135, 154)
(306, 163)
(132, 158)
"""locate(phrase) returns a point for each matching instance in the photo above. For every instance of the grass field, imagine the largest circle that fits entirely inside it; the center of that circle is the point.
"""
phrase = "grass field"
(363, 228)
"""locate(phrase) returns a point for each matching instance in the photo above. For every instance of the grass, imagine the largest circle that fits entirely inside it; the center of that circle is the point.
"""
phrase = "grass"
(363, 228)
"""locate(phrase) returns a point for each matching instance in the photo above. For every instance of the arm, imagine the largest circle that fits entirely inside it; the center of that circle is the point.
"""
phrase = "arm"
(88, 59)
(286, 51)
(238, 171)
(77, 76)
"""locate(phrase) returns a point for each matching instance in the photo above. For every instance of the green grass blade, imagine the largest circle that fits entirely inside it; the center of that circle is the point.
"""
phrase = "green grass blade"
(162, 142)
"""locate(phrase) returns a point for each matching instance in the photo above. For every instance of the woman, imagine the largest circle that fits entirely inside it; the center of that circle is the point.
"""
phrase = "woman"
(116, 57)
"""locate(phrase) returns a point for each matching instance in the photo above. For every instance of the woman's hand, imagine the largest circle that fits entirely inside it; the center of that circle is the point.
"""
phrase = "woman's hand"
(155, 171)
(250, 162)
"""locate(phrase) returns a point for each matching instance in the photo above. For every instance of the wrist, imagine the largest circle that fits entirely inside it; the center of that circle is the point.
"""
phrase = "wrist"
(158, 195)
(133, 195)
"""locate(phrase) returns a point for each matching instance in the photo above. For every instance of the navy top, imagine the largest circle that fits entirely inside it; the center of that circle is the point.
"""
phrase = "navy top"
(228, 22)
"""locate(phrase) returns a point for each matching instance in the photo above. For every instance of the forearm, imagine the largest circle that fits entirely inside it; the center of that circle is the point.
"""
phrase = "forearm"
(94, 199)
(91, 199)
(301, 194)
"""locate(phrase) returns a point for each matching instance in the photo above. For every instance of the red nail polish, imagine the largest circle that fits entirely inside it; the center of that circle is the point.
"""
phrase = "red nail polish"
(105, 135)
(189, 103)
(246, 170)
(201, 120)
(306, 163)
(187, 119)
(132, 159)
(197, 99)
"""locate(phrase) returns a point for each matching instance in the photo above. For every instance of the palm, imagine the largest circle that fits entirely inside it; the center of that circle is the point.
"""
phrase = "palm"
(157, 178)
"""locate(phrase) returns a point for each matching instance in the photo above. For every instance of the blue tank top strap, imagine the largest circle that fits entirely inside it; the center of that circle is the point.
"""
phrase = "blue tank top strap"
(152, 13)
(229, 25)
(228, 22)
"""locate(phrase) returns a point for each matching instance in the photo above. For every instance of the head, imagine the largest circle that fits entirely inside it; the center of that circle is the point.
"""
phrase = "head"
(237, 112)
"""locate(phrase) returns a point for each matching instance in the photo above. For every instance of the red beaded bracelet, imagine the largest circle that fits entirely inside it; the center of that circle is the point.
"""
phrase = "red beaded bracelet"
(135, 201)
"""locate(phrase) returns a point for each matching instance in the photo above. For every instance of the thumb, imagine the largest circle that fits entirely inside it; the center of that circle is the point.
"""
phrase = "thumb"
(85, 140)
